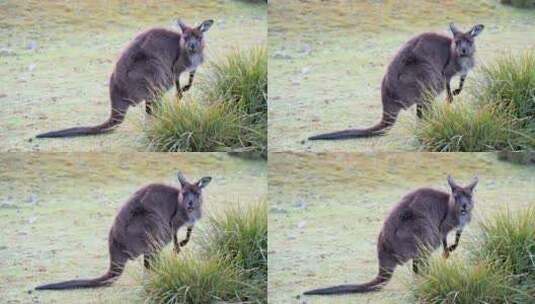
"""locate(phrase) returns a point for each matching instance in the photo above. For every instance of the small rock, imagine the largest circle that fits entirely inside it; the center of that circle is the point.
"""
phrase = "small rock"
(281, 55)
(2, 95)
(6, 52)
(31, 67)
(8, 205)
(32, 45)
(32, 219)
(301, 205)
(277, 210)
(32, 199)
(306, 49)
(301, 224)
(305, 70)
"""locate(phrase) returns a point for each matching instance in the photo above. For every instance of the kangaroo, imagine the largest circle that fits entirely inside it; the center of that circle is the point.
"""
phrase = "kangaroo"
(426, 63)
(145, 223)
(146, 69)
(419, 223)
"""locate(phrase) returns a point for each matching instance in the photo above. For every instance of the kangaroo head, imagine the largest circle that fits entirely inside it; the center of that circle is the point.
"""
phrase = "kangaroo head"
(462, 196)
(191, 39)
(190, 195)
(463, 42)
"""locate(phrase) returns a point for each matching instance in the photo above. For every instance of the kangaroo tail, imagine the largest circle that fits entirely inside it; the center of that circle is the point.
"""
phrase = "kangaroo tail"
(382, 278)
(386, 123)
(115, 119)
(107, 279)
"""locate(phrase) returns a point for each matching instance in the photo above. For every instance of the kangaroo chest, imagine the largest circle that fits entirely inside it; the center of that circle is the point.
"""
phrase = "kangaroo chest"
(188, 63)
(463, 220)
(194, 61)
(464, 64)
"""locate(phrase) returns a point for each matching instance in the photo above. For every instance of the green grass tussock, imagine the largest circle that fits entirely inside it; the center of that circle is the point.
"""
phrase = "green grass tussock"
(499, 113)
(510, 81)
(186, 279)
(241, 236)
(500, 267)
(461, 127)
(192, 127)
(230, 265)
(240, 79)
(456, 282)
(509, 239)
(231, 117)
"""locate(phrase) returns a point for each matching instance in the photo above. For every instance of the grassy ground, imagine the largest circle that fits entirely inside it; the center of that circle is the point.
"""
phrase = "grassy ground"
(56, 59)
(326, 215)
(56, 210)
(327, 62)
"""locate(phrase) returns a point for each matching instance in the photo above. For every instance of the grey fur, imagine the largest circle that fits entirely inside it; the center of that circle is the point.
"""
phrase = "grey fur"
(418, 224)
(425, 64)
(148, 221)
(147, 68)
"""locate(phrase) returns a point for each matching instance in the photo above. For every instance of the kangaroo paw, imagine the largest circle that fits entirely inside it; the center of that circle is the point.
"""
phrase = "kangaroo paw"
(446, 253)
(456, 92)
(452, 248)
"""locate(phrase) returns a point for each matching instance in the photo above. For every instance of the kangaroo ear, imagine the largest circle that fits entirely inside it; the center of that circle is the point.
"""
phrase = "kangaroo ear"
(473, 183)
(204, 181)
(452, 183)
(454, 30)
(181, 179)
(181, 25)
(205, 25)
(476, 30)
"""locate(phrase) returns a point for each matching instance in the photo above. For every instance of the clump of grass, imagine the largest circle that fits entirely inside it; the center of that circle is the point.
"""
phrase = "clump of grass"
(192, 127)
(498, 114)
(241, 236)
(500, 267)
(231, 117)
(454, 281)
(509, 239)
(510, 82)
(187, 279)
(230, 265)
(462, 127)
(519, 3)
(240, 79)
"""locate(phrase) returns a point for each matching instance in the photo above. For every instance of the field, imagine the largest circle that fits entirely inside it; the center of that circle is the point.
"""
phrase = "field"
(56, 58)
(325, 216)
(56, 211)
(327, 63)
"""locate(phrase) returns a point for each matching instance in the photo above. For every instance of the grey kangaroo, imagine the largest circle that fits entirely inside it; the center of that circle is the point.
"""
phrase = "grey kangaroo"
(147, 222)
(418, 224)
(148, 67)
(426, 63)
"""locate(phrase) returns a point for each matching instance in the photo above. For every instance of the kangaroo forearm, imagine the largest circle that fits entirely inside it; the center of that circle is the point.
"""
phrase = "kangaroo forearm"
(188, 235)
(190, 81)
(461, 83)
(457, 239)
